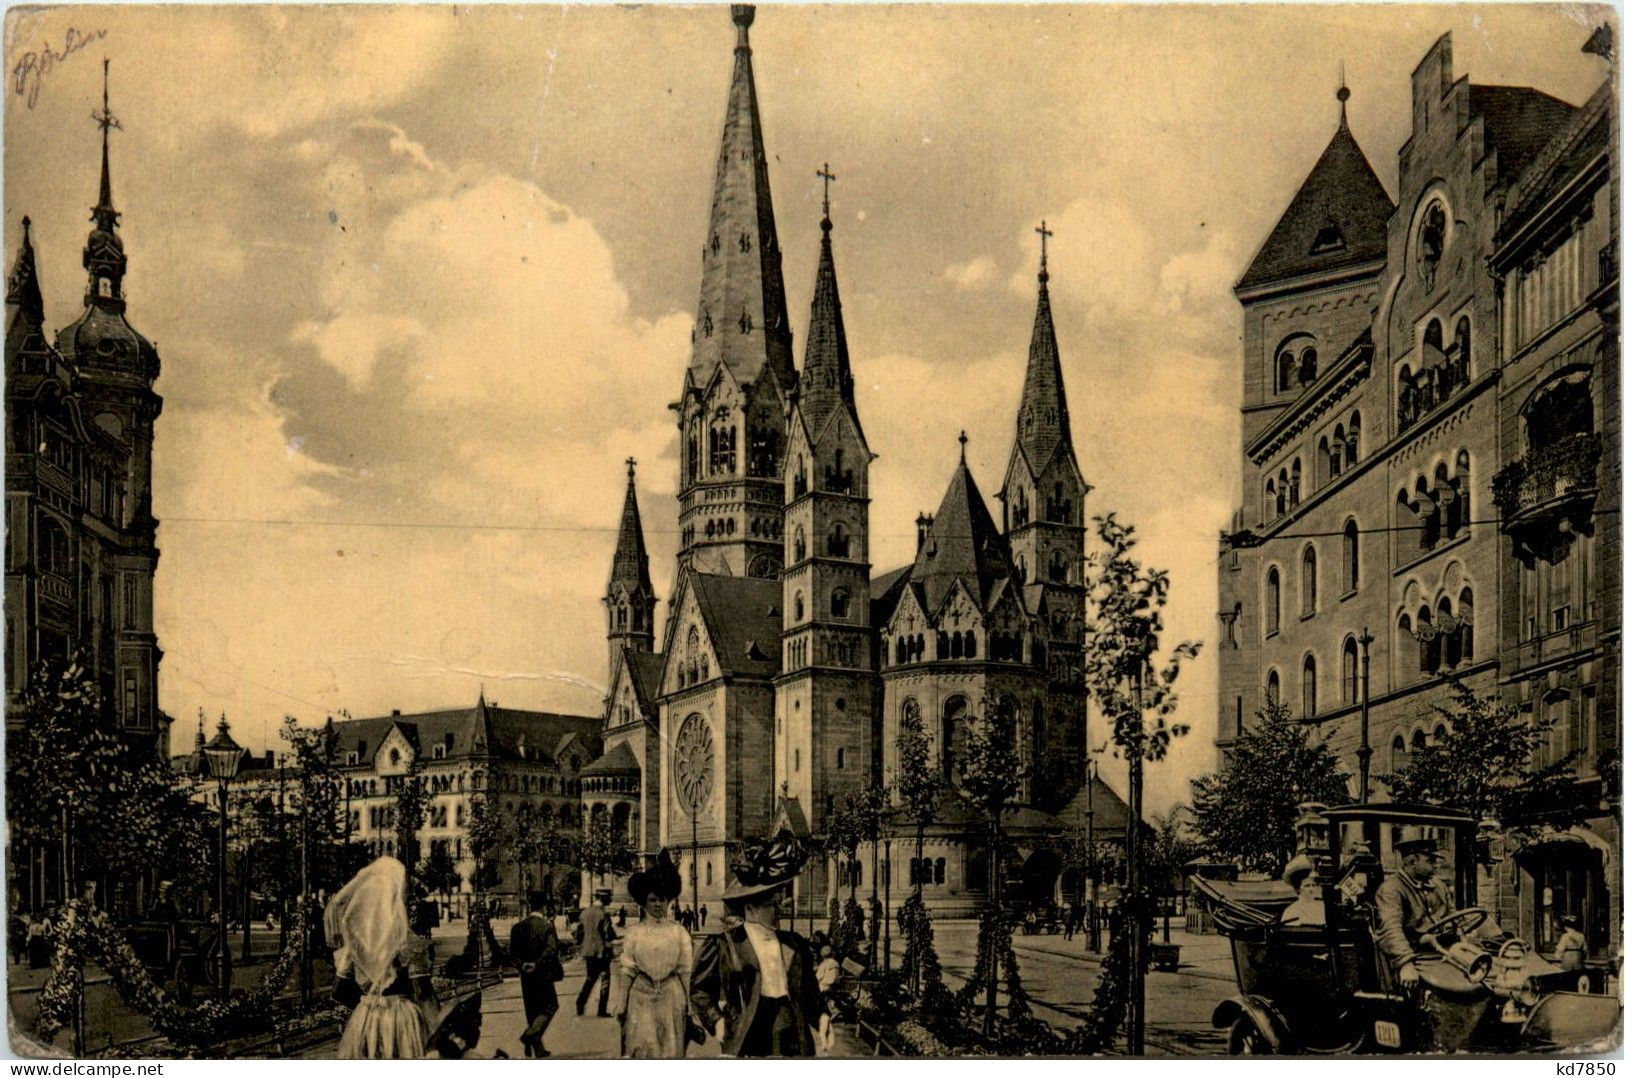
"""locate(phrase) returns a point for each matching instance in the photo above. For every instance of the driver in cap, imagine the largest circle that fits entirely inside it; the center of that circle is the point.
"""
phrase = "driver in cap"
(1409, 901)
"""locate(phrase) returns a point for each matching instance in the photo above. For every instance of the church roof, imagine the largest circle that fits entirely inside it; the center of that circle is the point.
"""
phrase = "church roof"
(1111, 811)
(742, 320)
(743, 615)
(1338, 218)
(645, 669)
(630, 567)
(1042, 422)
(25, 321)
(962, 544)
(617, 761)
(826, 367)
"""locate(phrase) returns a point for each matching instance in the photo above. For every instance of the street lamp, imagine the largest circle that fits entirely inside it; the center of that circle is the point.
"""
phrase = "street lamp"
(224, 756)
(1364, 752)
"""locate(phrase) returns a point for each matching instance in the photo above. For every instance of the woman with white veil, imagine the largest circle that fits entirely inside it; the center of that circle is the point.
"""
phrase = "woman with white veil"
(366, 924)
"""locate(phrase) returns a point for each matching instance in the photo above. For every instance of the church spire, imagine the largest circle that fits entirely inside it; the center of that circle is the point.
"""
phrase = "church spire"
(826, 368)
(104, 251)
(1042, 423)
(22, 287)
(630, 597)
(741, 322)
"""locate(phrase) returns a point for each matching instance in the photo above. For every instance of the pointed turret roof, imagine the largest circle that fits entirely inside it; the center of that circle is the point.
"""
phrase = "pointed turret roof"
(1338, 218)
(22, 287)
(630, 568)
(963, 544)
(826, 368)
(1042, 423)
(741, 322)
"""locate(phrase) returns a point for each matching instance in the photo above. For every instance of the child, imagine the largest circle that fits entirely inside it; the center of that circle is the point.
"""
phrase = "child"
(1571, 945)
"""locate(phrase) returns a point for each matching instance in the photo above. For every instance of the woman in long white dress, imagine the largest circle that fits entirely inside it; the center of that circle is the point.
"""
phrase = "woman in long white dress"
(657, 959)
(366, 923)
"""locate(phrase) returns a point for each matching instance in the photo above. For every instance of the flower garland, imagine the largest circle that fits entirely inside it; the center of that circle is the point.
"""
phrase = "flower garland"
(81, 931)
(1110, 1005)
(920, 963)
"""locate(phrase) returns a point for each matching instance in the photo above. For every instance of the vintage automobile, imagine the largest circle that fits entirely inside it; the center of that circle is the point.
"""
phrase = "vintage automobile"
(1311, 980)
(180, 955)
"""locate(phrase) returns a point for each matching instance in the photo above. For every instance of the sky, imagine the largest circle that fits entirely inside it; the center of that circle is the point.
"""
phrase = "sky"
(423, 277)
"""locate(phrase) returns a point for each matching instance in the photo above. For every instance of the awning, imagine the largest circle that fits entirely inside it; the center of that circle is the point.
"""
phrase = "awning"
(1575, 836)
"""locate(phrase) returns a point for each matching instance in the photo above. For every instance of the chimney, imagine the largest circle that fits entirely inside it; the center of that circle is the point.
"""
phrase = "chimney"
(395, 712)
(922, 525)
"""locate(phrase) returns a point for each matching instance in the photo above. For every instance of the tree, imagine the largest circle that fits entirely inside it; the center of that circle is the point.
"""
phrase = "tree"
(604, 850)
(1488, 762)
(487, 832)
(411, 807)
(1126, 600)
(318, 804)
(919, 787)
(109, 801)
(843, 833)
(526, 847)
(870, 811)
(990, 774)
(1246, 810)
(439, 871)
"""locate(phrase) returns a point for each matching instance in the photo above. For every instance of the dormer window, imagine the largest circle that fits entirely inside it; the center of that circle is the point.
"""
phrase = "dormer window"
(1328, 240)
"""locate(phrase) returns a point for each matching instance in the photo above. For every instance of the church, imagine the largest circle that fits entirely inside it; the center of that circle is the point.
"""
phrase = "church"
(776, 686)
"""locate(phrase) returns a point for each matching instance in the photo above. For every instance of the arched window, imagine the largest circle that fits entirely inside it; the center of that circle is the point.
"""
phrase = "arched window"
(1406, 642)
(800, 544)
(1450, 640)
(1464, 350)
(1309, 584)
(1351, 556)
(1057, 567)
(940, 873)
(840, 759)
(1272, 602)
(1464, 624)
(1308, 686)
(1419, 740)
(1458, 514)
(942, 644)
(1427, 640)
(1286, 371)
(801, 607)
(958, 645)
(1297, 482)
(840, 544)
(970, 643)
(1397, 755)
(953, 716)
(1272, 501)
(1432, 337)
(1272, 688)
(1351, 671)
(1351, 446)
(1427, 508)
(1324, 460)
(902, 653)
(840, 599)
(1307, 366)
(800, 486)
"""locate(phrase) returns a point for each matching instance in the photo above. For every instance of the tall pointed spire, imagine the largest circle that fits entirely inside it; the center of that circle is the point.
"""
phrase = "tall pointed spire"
(826, 368)
(104, 251)
(1042, 423)
(22, 287)
(106, 216)
(631, 565)
(741, 322)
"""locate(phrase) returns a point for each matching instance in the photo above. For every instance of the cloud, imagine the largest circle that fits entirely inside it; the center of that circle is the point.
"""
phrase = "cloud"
(973, 274)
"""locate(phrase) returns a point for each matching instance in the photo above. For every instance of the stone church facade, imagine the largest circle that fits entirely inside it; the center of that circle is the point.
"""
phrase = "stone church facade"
(785, 664)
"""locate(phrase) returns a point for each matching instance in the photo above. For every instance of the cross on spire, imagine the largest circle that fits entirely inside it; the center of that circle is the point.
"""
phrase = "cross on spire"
(1342, 93)
(1044, 235)
(106, 218)
(828, 177)
(105, 118)
(631, 467)
(962, 440)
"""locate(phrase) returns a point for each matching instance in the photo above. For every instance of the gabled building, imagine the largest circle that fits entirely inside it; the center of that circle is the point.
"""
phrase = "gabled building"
(1430, 416)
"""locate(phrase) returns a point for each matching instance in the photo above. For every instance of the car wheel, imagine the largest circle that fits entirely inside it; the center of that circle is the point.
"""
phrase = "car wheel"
(1246, 1040)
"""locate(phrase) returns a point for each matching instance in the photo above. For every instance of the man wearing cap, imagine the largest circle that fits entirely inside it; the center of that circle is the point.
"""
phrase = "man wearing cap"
(597, 930)
(1407, 902)
(754, 984)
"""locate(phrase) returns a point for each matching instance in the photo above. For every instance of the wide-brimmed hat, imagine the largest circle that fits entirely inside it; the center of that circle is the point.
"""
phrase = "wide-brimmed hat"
(461, 1021)
(662, 880)
(765, 865)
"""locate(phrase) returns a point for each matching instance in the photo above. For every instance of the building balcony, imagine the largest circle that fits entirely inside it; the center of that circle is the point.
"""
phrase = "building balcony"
(1547, 495)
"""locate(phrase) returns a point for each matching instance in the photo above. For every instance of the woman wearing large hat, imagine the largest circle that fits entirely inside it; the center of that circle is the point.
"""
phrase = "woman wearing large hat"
(657, 958)
(754, 984)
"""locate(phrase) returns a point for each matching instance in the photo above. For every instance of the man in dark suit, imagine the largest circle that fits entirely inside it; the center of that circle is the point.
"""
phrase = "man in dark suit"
(1407, 902)
(596, 933)
(533, 946)
(754, 984)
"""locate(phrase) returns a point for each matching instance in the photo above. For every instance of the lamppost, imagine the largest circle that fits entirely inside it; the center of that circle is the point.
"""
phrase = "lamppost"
(1090, 884)
(1364, 752)
(1138, 911)
(224, 756)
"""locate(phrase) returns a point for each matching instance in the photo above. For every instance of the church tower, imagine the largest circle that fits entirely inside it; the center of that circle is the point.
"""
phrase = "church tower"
(116, 368)
(826, 697)
(731, 411)
(630, 597)
(1044, 490)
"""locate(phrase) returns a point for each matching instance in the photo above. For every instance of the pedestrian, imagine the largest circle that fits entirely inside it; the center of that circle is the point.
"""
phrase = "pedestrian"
(702, 914)
(1571, 945)
(620, 918)
(656, 962)
(39, 940)
(754, 984)
(367, 921)
(597, 931)
(1068, 921)
(458, 1034)
(533, 946)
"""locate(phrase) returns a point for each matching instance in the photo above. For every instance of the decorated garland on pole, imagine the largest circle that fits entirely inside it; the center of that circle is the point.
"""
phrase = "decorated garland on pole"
(1110, 1005)
(920, 962)
(81, 932)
